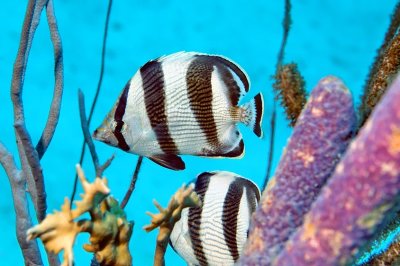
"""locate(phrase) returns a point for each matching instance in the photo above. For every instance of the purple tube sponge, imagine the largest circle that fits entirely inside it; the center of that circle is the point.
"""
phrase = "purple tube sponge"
(363, 191)
(320, 136)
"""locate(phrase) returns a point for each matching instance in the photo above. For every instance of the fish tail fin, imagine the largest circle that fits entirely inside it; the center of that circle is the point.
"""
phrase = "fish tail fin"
(252, 113)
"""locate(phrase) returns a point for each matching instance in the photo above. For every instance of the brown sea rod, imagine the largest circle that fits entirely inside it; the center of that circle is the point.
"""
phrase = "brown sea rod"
(320, 136)
(361, 195)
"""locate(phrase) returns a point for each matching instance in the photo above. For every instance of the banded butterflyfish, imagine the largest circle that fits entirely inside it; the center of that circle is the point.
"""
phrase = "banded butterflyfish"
(216, 232)
(183, 103)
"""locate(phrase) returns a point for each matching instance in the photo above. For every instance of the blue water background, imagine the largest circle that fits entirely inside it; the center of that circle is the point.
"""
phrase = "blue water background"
(327, 37)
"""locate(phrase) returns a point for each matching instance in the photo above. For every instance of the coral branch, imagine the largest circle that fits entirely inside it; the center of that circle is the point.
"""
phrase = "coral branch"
(25, 145)
(109, 230)
(35, 168)
(390, 257)
(290, 89)
(55, 107)
(110, 234)
(271, 145)
(185, 197)
(99, 169)
(94, 193)
(287, 21)
(86, 133)
(103, 56)
(319, 137)
(31, 169)
(30, 250)
(58, 232)
(384, 68)
(360, 196)
(133, 183)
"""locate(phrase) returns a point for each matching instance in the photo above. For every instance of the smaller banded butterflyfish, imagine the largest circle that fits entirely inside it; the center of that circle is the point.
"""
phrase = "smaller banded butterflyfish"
(184, 103)
(216, 232)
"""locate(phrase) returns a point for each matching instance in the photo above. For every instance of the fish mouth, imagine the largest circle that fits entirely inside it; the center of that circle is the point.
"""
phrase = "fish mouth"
(95, 134)
(98, 135)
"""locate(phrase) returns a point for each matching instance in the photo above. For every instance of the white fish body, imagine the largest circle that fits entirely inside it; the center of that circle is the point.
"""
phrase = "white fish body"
(215, 233)
(184, 103)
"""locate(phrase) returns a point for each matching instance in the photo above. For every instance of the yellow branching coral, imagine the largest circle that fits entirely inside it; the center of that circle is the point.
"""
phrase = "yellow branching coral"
(109, 230)
(185, 197)
(110, 233)
(94, 193)
(58, 232)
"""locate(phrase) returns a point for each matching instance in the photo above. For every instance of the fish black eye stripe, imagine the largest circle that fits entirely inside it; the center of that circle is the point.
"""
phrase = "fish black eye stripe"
(118, 116)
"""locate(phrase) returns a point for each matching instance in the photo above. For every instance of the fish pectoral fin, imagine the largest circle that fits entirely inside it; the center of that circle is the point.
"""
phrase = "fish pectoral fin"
(171, 161)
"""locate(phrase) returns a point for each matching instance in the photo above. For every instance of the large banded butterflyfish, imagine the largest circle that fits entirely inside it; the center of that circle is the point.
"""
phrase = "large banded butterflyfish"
(183, 103)
(216, 232)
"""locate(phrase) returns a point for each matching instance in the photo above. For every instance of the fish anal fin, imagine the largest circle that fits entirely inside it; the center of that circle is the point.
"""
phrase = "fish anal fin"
(170, 161)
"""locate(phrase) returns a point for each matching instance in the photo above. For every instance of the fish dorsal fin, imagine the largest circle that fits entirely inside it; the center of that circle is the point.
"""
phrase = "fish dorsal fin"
(237, 70)
(178, 56)
(171, 161)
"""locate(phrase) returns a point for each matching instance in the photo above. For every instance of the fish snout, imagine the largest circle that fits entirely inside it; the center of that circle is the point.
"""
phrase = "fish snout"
(95, 134)
(99, 134)
(106, 135)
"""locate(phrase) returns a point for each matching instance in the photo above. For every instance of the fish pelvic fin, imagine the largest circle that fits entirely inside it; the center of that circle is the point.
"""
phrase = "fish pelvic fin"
(252, 114)
(170, 161)
(237, 152)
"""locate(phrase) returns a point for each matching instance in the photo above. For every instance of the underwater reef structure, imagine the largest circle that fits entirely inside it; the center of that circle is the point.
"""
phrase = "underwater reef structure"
(360, 196)
(108, 228)
(384, 68)
(290, 88)
(27, 183)
(185, 197)
(323, 206)
(320, 136)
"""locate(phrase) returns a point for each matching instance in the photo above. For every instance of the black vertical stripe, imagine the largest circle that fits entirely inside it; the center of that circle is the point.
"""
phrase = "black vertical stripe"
(194, 220)
(154, 99)
(118, 116)
(253, 196)
(200, 94)
(230, 215)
